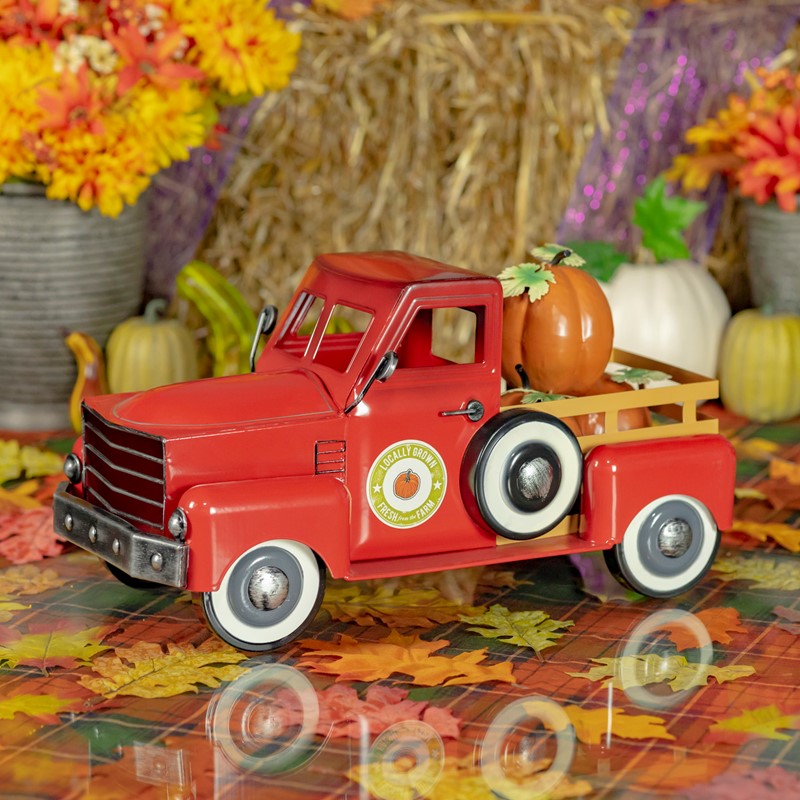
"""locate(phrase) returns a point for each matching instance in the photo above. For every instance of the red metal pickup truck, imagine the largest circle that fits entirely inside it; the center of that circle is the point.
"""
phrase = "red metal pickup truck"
(371, 453)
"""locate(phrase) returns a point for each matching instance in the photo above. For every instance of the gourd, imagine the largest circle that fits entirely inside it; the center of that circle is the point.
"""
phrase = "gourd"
(148, 351)
(91, 379)
(557, 324)
(760, 366)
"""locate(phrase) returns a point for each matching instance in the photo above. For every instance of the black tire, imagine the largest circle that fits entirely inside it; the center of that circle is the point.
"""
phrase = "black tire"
(267, 597)
(522, 474)
(129, 580)
(667, 548)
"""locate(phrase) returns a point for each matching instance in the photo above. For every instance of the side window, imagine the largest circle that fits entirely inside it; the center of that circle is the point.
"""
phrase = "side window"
(343, 334)
(442, 337)
(301, 324)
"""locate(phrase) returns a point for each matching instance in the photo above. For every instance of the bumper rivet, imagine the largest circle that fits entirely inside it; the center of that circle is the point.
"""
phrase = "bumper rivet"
(156, 562)
(115, 547)
(68, 522)
(93, 534)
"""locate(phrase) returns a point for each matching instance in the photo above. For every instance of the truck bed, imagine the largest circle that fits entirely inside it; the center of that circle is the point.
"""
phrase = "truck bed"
(674, 406)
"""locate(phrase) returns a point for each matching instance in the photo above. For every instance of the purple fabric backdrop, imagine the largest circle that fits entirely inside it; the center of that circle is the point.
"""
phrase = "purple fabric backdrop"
(678, 69)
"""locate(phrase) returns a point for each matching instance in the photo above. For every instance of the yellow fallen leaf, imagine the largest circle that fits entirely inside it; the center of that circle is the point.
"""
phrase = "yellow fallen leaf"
(17, 498)
(748, 493)
(765, 573)
(395, 606)
(532, 629)
(36, 463)
(761, 723)
(10, 464)
(591, 726)
(28, 579)
(784, 535)
(6, 607)
(627, 672)
(52, 648)
(755, 449)
(147, 670)
(34, 705)
(778, 468)
(404, 655)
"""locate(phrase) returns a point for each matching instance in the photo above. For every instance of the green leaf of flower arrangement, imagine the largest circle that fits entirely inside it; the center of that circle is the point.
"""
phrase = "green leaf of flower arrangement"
(532, 629)
(663, 220)
(602, 259)
(534, 279)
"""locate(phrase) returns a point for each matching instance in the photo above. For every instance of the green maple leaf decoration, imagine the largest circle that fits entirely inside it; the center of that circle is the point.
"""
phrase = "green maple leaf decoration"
(542, 397)
(663, 220)
(639, 376)
(602, 258)
(532, 629)
(534, 277)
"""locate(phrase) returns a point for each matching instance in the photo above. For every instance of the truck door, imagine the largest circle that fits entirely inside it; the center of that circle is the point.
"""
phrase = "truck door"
(407, 439)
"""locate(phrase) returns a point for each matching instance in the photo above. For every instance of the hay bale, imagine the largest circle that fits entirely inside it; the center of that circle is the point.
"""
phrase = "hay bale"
(445, 128)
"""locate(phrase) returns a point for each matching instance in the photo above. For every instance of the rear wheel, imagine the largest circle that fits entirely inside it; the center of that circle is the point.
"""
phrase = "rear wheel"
(522, 473)
(269, 595)
(667, 548)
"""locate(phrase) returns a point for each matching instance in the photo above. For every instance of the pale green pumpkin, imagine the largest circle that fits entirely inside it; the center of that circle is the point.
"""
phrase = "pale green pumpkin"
(759, 370)
(148, 351)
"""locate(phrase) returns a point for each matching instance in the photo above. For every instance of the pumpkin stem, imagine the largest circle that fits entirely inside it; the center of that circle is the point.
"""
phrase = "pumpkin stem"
(560, 256)
(523, 376)
(154, 309)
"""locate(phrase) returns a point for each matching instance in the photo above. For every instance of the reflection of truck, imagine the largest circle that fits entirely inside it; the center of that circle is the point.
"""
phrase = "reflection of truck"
(371, 453)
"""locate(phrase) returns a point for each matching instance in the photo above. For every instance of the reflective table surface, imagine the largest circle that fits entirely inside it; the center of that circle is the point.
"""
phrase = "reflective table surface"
(542, 679)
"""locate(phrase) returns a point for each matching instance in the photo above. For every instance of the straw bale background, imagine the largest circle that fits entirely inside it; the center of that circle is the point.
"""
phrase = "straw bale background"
(422, 128)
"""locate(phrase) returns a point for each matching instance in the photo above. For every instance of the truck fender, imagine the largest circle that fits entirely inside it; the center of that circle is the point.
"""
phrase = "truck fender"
(227, 519)
(621, 479)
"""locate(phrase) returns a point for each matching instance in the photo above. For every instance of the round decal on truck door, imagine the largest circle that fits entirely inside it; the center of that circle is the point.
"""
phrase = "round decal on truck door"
(406, 484)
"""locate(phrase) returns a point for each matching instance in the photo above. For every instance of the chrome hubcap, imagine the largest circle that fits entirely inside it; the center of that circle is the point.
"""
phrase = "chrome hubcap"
(535, 479)
(674, 538)
(268, 588)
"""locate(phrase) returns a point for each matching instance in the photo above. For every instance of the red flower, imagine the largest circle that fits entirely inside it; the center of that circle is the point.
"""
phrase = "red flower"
(152, 61)
(74, 102)
(29, 22)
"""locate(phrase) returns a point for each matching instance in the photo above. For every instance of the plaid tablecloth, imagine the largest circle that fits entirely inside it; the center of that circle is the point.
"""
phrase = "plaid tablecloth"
(263, 735)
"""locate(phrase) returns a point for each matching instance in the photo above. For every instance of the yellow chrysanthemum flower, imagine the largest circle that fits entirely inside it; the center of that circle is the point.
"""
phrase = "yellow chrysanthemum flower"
(22, 70)
(239, 44)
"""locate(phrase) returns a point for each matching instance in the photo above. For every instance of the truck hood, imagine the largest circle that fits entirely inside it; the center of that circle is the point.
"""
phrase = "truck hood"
(218, 403)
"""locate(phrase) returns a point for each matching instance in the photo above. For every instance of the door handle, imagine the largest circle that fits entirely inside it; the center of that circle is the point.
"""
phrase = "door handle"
(473, 411)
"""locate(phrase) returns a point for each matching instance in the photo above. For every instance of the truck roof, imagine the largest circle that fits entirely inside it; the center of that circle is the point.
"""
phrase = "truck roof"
(393, 267)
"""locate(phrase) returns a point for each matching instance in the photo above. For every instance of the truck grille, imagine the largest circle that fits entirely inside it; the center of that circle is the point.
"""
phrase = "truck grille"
(124, 471)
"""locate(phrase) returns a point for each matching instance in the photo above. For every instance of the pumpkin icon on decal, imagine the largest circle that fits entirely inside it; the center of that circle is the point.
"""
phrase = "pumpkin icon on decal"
(406, 484)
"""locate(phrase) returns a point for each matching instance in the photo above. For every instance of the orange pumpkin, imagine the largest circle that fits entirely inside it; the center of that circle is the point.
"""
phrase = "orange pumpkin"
(563, 339)
(627, 418)
(406, 484)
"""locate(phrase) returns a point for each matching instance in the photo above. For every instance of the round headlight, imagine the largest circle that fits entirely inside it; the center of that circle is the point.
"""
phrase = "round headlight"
(73, 468)
(177, 524)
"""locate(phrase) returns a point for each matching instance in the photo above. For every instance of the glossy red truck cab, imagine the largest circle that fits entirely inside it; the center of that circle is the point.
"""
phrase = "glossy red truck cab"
(365, 450)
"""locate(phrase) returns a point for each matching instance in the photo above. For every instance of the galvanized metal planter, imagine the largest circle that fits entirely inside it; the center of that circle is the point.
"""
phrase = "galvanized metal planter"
(61, 269)
(774, 256)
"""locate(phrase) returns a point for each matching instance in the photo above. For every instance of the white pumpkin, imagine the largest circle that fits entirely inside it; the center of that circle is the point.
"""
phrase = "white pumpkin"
(673, 312)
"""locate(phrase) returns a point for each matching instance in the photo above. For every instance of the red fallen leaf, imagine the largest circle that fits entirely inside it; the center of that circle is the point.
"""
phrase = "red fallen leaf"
(781, 493)
(28, 536)
(745, 784)
(342, 714)
(789, 619)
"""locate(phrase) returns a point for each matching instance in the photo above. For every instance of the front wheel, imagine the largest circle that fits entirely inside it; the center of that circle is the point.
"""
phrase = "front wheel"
(269, 595)
(667, 548)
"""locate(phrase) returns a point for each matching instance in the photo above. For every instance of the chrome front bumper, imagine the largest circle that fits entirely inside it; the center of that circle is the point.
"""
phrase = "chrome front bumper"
(144, 556)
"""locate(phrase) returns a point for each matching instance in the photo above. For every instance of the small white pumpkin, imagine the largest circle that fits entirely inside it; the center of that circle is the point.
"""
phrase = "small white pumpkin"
(673, 312)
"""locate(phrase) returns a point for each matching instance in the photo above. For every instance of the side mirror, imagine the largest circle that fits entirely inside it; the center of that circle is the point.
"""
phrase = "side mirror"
(382, 372)
(266, 322)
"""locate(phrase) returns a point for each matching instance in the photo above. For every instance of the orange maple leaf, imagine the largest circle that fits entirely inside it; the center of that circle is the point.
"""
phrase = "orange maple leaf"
(591, 726)
(719, 622)
(28, 536)
(351, 660)
(779, 468)
(784, 535)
